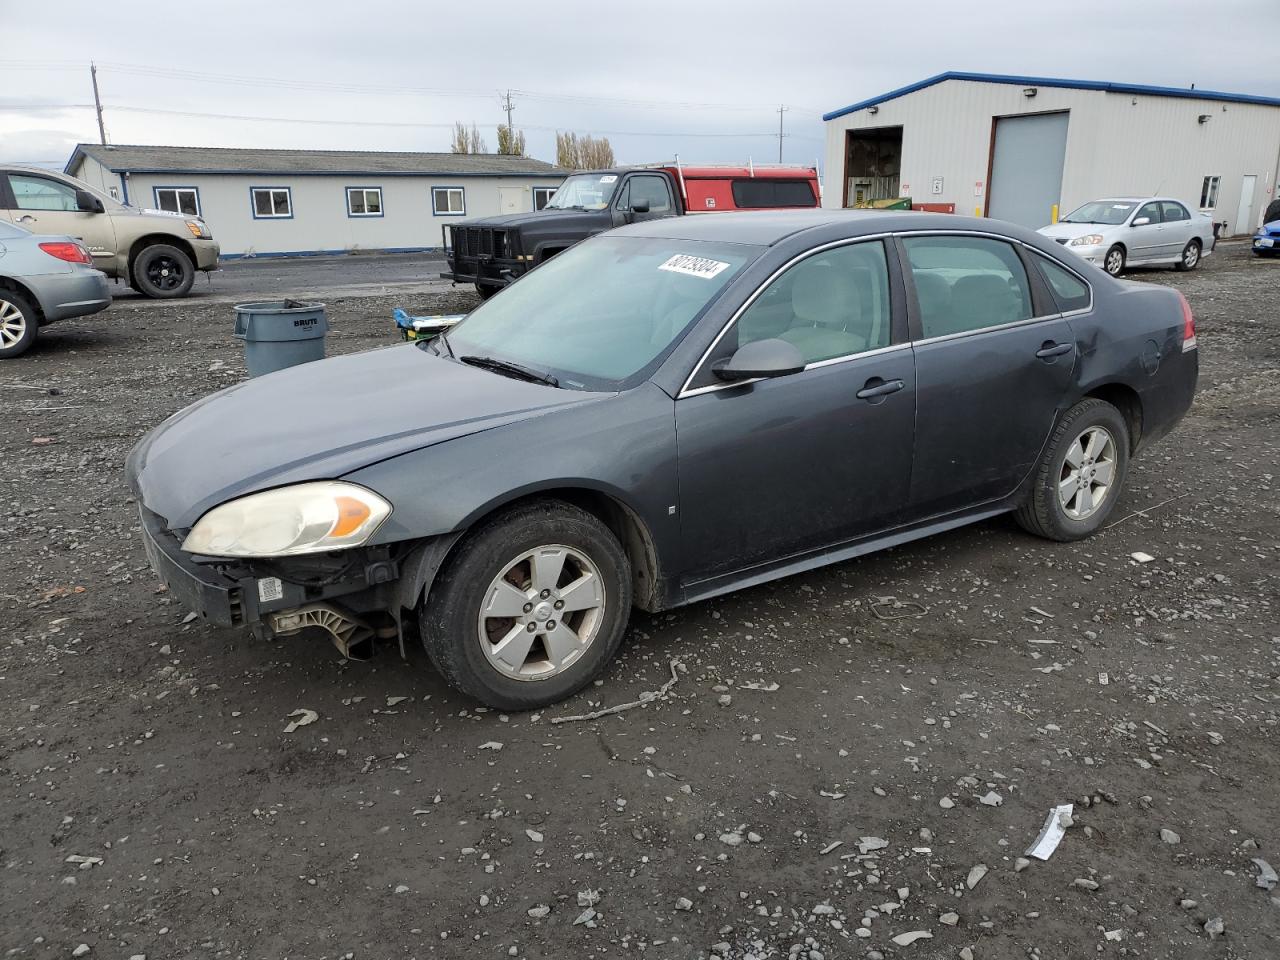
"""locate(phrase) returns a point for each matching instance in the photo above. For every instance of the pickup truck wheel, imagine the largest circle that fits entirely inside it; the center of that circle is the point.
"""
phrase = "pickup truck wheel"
(486, 290)
(1113, 262)
(18, 324)
(1190, 256)
(531, 608)
(1078, 479)
(162, 271)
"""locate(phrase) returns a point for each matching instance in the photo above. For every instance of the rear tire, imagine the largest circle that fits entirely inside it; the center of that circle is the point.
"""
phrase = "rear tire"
(1078, 480)
(162, 272)
(531, 607)
(1113, 262)
(486, 290)
(19, 324)
(1190, 258)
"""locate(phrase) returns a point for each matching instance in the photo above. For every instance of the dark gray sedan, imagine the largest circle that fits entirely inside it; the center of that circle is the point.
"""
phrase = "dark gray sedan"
(662, 414)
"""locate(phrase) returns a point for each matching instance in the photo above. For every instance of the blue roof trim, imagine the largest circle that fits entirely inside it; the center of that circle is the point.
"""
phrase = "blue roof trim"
(1105, 87)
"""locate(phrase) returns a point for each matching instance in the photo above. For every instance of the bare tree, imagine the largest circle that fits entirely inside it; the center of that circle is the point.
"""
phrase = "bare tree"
(583, 153)
(468, 141)
(510, 142)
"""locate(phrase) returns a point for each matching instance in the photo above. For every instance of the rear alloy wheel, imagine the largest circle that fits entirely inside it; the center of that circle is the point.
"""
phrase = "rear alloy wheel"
(18, 324)
(531, 608)
(1080, 474)
(1190, 255)
(162, 271)
(1113, 262)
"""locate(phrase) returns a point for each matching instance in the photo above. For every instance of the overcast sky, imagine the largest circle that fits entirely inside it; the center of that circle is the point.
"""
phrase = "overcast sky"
(702, 79)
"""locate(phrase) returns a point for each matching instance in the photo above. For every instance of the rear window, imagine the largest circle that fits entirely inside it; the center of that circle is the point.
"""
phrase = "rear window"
(758, 192)
(1069, 291)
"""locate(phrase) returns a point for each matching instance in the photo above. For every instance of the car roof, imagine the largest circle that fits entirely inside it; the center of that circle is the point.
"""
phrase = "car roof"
(1133, 200)
(765, 228)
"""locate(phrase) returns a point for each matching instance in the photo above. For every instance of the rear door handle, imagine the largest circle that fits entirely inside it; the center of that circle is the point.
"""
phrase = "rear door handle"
(1051, 350)
(876, 387)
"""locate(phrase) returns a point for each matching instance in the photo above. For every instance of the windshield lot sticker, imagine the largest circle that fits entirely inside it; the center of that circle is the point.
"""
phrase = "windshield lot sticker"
(609, 178)
(693, 266)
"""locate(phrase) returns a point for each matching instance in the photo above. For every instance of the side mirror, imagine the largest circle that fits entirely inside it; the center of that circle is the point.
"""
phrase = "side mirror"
(763, 358)
(1141, 221)
(86, 202)
(640, 206)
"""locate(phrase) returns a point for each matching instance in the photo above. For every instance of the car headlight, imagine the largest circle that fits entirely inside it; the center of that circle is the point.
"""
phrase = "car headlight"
(1089, 240)
(305, 518)
(199, 230)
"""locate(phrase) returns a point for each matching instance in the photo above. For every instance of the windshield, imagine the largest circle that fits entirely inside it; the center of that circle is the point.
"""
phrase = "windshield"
(598, 315)
(584, 191)
(1101, 211)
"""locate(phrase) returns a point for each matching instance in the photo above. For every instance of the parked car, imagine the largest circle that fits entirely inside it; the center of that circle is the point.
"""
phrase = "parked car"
(1266, 242)
(660, 415)
(43, 279)
(493, 251)
(1135, 231)
(155, 251)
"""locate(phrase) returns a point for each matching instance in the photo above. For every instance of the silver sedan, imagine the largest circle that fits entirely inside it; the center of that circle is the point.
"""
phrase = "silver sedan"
(43, 279)
(1135, 231)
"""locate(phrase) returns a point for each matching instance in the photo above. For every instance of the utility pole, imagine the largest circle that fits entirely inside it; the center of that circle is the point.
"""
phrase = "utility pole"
(97, 102)
(508, 106)
(781, 111)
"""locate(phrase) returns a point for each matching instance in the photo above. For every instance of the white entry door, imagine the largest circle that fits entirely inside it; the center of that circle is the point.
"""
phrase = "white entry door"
(511, 199)
(1244, 218)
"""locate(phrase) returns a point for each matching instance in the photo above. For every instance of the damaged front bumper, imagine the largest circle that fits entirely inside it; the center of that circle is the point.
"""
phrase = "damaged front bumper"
(352, 595)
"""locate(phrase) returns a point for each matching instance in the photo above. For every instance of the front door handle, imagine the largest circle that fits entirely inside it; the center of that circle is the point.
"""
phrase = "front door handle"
(1050, 350)
(26, 218)
(877, 387)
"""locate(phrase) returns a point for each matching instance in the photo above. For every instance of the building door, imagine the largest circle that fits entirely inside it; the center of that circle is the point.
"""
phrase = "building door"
(511, 199)
(1026, 168)
(1244, 218)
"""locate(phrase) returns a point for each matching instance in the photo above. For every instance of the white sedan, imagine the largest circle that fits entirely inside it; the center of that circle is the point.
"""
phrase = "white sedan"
(1132, 231)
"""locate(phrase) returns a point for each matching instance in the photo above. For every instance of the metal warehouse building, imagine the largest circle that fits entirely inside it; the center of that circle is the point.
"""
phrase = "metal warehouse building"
(1022, 148)
(300, 202)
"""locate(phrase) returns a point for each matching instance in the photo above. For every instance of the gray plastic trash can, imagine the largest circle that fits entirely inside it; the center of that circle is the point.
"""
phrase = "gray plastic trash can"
(280, 333)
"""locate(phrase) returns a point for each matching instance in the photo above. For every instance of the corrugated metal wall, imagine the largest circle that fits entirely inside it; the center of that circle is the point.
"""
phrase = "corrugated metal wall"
(1116, 144)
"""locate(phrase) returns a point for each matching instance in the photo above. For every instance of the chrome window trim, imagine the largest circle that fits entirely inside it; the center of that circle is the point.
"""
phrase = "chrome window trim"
(817, 364)
(685, 390)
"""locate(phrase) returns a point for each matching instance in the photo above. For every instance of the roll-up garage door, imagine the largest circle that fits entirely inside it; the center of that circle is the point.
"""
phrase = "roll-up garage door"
(1026, 168)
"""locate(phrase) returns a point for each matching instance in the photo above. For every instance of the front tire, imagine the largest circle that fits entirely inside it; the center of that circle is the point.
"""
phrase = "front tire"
(486, 290)
(1113, 262)
(1080, 474)
(1190, 258)
(162, 272)
(531, 608)
(19, 324)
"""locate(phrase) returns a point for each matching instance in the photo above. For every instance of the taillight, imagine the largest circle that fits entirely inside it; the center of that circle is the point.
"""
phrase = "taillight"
(70, 252)
(1188, 324)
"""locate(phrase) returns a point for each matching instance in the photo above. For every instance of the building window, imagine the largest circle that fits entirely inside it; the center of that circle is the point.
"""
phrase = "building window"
(115, 193)
(364, 201)
(272, 203)
(184, 200)
(541, 195)
(1209, 193)
(448, 202)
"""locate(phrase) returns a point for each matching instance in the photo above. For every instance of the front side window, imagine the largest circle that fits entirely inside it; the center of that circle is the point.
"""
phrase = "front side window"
(541, 195)
(448, 201)
(584, 191)
(603, 312)
(760, 193)
(967, 283)
(1209, 193)
(647, 189)
(1173, 212)
(184, 200)
(834, 303)
(41, 193)
(1069, 291)
(364, 201)
(272, 203)
(1149, 210)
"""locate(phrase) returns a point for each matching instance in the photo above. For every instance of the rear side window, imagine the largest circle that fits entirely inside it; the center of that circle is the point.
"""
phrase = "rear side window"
(1173, 212)
(1069, 291)
(967, 283)
(758, 192)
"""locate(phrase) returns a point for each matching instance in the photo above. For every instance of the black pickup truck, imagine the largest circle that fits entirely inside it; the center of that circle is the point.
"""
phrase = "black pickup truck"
(493, 251)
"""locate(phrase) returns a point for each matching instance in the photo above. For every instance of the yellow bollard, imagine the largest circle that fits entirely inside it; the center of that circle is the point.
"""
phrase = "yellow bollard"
(977, 211)
(1053, 214)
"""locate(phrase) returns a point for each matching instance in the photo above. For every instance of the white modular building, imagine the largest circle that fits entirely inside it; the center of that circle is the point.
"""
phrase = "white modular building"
(307, 202)
(1027, 149)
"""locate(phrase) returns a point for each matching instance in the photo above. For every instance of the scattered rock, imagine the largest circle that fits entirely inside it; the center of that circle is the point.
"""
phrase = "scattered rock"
(1168, 836)
(992, 799)
(946, 803)
(949, 919)
(81, 950)
(684, 903)
(1214, 927)
(1021, 864)
(1084, 883)
(533, 835)
(491, 745)
(1266, 878)
(906, 939)
(975, 875)
(867, 844)
(538, 912)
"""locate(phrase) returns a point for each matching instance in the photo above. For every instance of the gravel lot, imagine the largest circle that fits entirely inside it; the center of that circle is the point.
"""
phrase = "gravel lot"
(406, 823)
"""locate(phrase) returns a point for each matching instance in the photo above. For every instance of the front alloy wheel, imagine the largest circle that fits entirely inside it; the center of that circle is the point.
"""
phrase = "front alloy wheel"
(1113, 263)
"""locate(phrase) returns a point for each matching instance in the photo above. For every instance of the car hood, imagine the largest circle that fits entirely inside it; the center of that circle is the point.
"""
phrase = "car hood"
(322, 420)
(1272, 226)
(1069, 231)
(556, 221)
